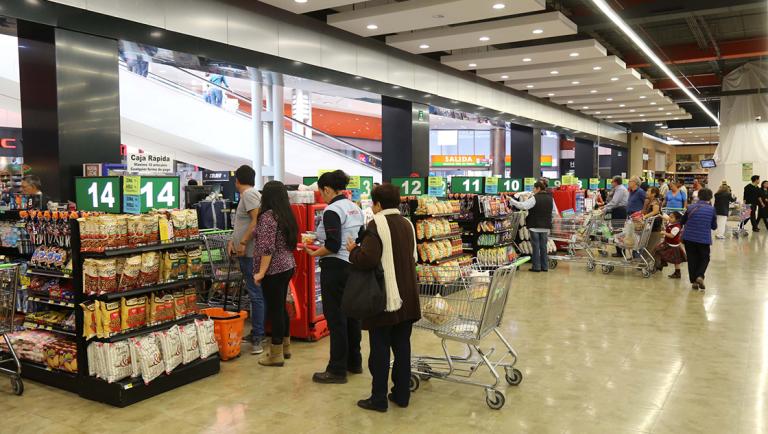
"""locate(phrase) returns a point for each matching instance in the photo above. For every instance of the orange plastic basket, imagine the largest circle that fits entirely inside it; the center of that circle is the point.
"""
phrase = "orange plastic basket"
(228, 327)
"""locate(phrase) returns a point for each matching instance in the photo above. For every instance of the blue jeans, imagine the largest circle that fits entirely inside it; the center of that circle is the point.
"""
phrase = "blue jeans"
(256, 296)
(539, 255)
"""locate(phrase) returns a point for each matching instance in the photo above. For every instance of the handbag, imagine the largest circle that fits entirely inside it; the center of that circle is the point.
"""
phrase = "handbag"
(291, 306)
(364, 294)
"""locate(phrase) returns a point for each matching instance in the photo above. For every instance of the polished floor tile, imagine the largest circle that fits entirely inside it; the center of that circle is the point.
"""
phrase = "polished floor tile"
(600, 353)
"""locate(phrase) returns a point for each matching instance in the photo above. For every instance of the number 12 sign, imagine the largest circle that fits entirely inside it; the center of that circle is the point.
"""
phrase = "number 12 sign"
(100, 193)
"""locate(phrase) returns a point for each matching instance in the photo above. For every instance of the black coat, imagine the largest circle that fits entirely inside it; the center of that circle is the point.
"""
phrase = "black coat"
(723, 201)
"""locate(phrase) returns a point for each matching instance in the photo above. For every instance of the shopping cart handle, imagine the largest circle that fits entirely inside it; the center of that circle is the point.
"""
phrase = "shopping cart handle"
(520, 261)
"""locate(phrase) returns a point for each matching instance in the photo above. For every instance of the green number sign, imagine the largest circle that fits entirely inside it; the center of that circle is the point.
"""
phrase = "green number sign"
(510, 185)
(159, 192)
(100, 193)
(410, 186)
(309, 180)
(366, 185)
(467, 184)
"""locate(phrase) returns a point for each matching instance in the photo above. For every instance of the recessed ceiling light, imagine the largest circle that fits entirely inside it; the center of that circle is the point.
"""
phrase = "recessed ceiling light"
(690, 132)
(156, 33)
(484, 38)
(614, 78)
(597, 113)
(554, 72)
(472, 65)
(574, 54)
(585, 107)
(530, 86)
(676, 118)
(661, 108)
(631, 110)
(609, 117)
(622, 105)
(300, 1)
(609, 99)
(526, 59)
(428, 95)
(504, 77)
(670, 114)
(643, 97)
(357, 77)
(570, 101)
(575, 82)
(641, 115)
(597, 68)
(537, 31)
(499, 6)
(424, 46)
(371, 27)
(593, 91)
(550, 94)
(395, 87)
(630, 88)
(653, 103)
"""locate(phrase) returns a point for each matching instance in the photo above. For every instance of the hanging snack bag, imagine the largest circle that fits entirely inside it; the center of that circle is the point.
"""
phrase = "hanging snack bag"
(161, 308)
(194, 263)
(90, 277)
(182, 255)
(109, 232)
(91, 354)
(133, 312)
(165, 227)
(190, 296)
(122, 232)
(206, 338)
(135, 358)
(168, 268)
(151, 229)
(150, 357)
(179, 303)
(170, 346)
(193, 230)
(179, 220)
(118, 361)
(130, 277)
(107, 276)
(136, 236)
(190, 350)
(150, 268)
(110, 318)
(89, 319)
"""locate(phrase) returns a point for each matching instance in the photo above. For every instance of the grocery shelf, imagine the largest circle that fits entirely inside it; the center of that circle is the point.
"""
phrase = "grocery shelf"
(141, 249)
(147, 289)
(53, 377)
(13, 251)
(44, 300)
(31, 325)
(149, 329)
(36, 271)
(426, 216)
(441, 237)
(448, 259)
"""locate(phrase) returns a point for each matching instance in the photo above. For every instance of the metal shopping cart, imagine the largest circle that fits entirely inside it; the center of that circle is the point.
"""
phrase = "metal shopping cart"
(9, 278)
(741, 212)
(226, 280)
(573, 232)
(630, 236)
(466, 309)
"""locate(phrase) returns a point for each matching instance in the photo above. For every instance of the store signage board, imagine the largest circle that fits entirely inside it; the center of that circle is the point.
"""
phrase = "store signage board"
(158, 192)
(410, 186)
(553, 183)
(436, 186)
(528, 183)
(460, 161)
(220, 176)
(101, 193)
(583, 183)
(149, 163)
(491, 185)
(467, 184)
(366, 185)
(309, 180)
(510, 185)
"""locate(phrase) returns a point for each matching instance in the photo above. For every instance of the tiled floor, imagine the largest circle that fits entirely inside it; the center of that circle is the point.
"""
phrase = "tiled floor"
(600, 354)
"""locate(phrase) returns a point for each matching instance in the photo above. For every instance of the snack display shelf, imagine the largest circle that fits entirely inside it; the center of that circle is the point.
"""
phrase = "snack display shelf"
(31, 325)
(130, 391)
(44, 300)
(13, 251)
(497, 217)
(427, 216)
(448, 259)
(504, 231)
(149, 329)
(53, 377)
(140, 249)
(441, 237)
(147, 289)
(45, 272)
(504, 244)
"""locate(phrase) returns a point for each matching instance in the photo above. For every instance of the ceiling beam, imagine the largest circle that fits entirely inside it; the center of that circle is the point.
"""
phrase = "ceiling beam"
(692, 53)
(703, 80)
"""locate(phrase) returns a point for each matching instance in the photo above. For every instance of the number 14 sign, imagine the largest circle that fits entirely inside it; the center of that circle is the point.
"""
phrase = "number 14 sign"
(104, 193)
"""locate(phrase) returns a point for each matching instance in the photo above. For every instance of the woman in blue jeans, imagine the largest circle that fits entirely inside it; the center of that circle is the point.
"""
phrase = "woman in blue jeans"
(540, 208)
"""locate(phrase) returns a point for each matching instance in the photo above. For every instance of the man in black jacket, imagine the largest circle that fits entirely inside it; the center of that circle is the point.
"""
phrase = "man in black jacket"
(752, 197)
(540, 208)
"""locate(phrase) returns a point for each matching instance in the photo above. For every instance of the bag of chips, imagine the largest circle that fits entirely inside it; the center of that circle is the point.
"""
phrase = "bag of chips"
(170, 346)
(90, 277)
(118, 361)
(107, 276)
(135, 363)
(133, 312)
(89, 319)
(190, 296)
(110, 318)
(130, 277)
(151, 229)
(193, 230)
(91, 355)
(182, 256)
(161, 308)
(194, 263)
(150, 357)
(150, 268)
(136, 236)
(179, 303)
(179, 220)
(206, 338)
(190, 350)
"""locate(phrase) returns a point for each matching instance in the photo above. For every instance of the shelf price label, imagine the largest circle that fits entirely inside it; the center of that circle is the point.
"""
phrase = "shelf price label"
(410, 186)
(100, 193)
(567, 180)
(510, 185)
(159, 192)
(528, 183)
(354, 183)
(491, 185)
(467, 184)
(594, 183)
(436, 186)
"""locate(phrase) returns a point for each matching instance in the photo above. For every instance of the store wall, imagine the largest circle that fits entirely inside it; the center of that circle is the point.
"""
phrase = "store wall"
(405, 138)
(585, 158)
(521, 151)
(620, 162)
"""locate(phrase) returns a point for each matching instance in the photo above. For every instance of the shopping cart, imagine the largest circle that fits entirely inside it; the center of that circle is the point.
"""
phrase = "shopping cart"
(741, 212)
(631, 237)
(223, 270)
(466, 310)
(573, 233)
(9, 361)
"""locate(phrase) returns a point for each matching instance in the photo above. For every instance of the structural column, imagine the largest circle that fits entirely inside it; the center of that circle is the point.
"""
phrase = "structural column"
(536, 154)
(521, 152)
(405, 138)
(498, 150)
(585, 154)
(257, 95)
(70, 104)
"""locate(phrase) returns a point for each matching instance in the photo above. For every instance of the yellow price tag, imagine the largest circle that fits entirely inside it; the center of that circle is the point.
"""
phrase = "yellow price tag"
(132, 185)
(354, 183)
(436, 181)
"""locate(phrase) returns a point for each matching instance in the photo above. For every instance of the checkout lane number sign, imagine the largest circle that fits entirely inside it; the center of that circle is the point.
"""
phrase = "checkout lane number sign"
(159, 192)
(100, 193)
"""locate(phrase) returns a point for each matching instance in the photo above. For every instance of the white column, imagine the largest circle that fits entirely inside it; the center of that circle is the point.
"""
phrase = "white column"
(257, 95)
(278, 128)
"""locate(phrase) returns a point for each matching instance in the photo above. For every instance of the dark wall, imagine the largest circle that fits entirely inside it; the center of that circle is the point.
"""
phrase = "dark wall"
(521, 151)
(585, 160)
(70, 105)
(619, 161)
(404, 138)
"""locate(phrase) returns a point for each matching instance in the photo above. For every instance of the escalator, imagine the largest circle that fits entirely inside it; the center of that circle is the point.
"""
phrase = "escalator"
(168, 113)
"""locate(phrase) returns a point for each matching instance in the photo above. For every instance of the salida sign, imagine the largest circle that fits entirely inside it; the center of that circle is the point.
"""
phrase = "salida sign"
(149, 163)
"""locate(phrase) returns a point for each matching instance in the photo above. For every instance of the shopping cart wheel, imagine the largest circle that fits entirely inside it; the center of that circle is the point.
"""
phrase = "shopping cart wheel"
(423, 367)
(590, 266)
(494, 399)
(514, 376)
(17, 385)
(414, 383)
(606, 269)
(552, 264)
(646, 273)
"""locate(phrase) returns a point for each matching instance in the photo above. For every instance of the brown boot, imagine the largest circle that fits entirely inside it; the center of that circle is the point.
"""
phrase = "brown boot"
(273, 356)
(287, 348)
(675, 275)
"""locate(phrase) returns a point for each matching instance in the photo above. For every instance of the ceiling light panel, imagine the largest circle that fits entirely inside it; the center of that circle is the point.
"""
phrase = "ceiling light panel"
(508, 30)
(610, 64)
(609, 89)
(591, 79)
(308, 6)
(423, 14)
(539, 54)
(604, 105)
(617, 99)
(627, 111)
(640, 117)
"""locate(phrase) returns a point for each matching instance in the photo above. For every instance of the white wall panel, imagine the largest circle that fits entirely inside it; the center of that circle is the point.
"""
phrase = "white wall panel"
(76, 3)
(202, 18)
(339, 55)
(252, 31)
(371, 64)
(141, 11)
(400, 72)
(467, 91)
(425, 79)
(299, 43)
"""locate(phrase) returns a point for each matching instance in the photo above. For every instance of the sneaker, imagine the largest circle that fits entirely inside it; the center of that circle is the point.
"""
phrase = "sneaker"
(700, 282)
(720, 237)
(257, 348)
(695, 286)
(326, 377)
(248, 338)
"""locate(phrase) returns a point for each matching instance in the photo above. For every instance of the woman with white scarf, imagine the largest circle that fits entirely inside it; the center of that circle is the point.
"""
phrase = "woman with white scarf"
(390, 241)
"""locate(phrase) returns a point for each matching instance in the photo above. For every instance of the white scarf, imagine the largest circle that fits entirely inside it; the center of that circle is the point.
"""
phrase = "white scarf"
(394, 302)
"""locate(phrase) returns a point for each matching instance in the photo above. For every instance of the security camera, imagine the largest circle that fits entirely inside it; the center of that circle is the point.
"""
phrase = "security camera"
(758, 118)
